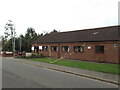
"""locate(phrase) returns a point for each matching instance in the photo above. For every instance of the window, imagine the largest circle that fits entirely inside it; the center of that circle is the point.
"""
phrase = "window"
(65, 48)
(53, 48)
(36, 49)
(78, 49)
(44, 48)
(99, 49)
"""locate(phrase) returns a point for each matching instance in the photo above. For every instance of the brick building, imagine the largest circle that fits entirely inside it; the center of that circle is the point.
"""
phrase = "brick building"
(98, 44)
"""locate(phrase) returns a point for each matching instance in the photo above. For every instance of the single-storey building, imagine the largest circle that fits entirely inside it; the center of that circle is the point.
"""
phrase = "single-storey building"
(97, 44)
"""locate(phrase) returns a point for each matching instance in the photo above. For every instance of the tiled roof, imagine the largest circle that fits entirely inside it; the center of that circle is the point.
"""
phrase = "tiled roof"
(97, 34)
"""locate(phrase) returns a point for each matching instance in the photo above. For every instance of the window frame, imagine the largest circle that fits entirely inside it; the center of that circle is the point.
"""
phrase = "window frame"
(98, 47)
(64, 48)
(54, 50)
(80, 47)
(36, 49)
(43, 48)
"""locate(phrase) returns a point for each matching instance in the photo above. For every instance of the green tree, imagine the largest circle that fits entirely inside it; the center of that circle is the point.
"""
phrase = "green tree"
(23, 42)
(10, 31)
(54, 31)
(30, 36)
(3, 43)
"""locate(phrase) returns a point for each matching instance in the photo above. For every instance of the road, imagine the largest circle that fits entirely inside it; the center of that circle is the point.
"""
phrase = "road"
(20, 75)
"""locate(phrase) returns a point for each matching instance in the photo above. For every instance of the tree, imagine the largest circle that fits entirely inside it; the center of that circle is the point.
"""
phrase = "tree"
(30, 36)
(4, 40)
(10, 31)
(22, 43)
(54, 31)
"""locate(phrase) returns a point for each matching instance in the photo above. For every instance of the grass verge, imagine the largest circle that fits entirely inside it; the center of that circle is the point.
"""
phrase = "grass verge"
(100, 67)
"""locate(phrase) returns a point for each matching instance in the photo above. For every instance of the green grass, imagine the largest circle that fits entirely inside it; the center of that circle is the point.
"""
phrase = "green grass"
(100, 67)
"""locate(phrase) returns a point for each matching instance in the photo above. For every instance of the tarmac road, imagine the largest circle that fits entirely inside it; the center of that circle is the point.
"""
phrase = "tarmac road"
(20, 75)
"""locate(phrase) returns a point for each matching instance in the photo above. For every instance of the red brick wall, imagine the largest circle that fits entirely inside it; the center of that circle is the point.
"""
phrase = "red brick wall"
(4, 54)
(11, 54)
(7, 55)
(111, 54)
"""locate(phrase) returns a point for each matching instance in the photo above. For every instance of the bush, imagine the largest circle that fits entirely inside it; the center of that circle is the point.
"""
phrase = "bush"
(20, 57)
(36, 55)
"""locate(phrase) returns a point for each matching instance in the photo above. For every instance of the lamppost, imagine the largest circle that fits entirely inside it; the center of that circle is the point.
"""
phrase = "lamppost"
(0, 44)
(20, 44)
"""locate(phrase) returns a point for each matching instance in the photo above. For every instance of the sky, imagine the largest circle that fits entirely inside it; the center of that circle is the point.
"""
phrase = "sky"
(62, 15)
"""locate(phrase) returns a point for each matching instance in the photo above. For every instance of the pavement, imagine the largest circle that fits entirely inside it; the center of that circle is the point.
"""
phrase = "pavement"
(23, 75)
(110, 78)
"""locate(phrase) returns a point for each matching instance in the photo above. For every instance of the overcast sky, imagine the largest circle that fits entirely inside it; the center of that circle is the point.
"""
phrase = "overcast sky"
(63, 15)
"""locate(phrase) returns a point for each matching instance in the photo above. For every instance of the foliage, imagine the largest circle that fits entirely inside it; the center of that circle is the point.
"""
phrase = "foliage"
(36, 55)
(20, 57)
(9, 29)
(30, 36)
(3, 43)
(26, 40)
(52, 32)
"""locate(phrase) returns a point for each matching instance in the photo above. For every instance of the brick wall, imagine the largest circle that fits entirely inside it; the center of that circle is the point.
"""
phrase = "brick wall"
(10, 54)
(4, 54)
(111, 51)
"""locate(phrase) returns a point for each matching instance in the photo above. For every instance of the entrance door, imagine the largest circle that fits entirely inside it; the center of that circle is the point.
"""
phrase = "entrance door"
(99, 50)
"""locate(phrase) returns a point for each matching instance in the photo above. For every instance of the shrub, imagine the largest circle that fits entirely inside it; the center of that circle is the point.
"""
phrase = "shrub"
(36, 55)
(20, 57)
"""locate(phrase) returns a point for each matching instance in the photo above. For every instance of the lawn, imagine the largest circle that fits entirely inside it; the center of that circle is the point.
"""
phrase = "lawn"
(100, 67)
